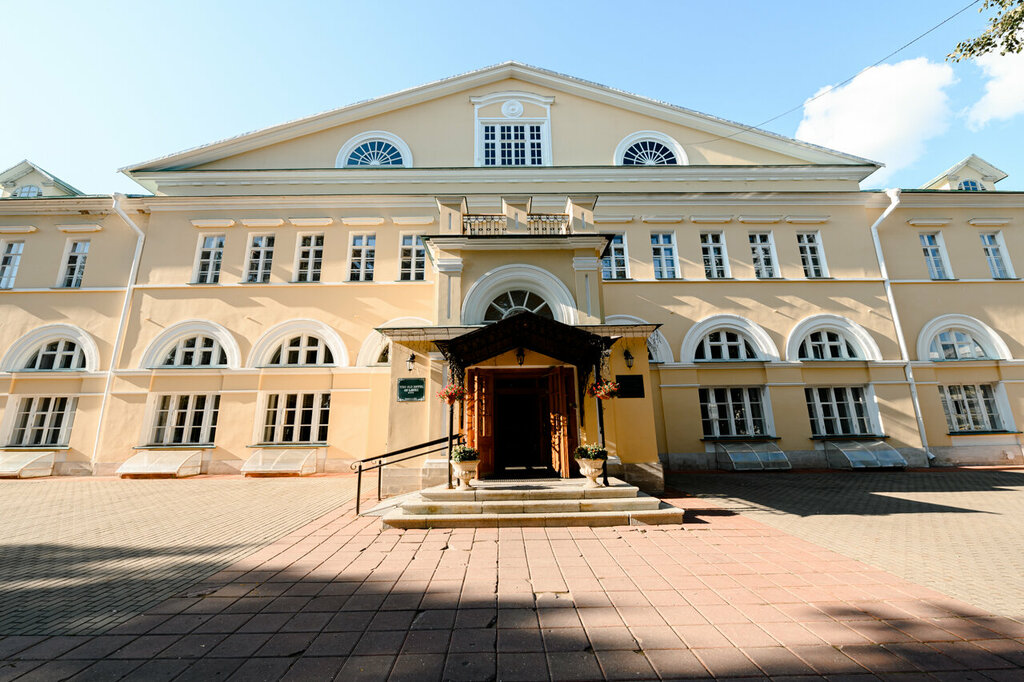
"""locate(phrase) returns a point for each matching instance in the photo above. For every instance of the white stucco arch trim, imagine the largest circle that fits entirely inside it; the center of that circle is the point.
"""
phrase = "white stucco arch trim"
(259, 356)
(990, 341)
(657, 342)
(375, 342)
(356, 140)
(157, 348)
(667, 140)
(18, 354)
(763, 343)
(835, 323)
(519, 276)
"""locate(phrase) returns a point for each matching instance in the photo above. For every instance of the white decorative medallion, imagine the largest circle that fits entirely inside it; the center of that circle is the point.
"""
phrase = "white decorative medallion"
(513, 108)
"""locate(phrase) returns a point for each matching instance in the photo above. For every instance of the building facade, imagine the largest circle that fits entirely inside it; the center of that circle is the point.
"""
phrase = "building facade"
(287, 290)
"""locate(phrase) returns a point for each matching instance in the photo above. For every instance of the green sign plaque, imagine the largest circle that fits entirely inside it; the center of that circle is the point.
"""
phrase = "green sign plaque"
(411, 390)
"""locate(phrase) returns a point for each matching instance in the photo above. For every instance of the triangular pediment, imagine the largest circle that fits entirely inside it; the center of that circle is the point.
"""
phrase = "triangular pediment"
(436, 125)
(27, 180)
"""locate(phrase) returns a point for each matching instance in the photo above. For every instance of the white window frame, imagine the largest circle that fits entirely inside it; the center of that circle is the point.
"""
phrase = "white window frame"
(757, 254)
(306, 256)
(714, 408)
(10, 262)
(38, 420)
(742, 343)
(1002, 253)
(265, 262)
(827, 346)
(706, 248)
(308, 344)
(608, 262)
(363, 260)
(986, 414)
(657, 251)
(817, 417)
(181, 348)
(75, 352)
(513, 104)
(158, 434)
(81, 257)
(279, 423)
(940, 253)
(805, 249)
(212, 275)
(956, 344)
(417, 259)
(27, 192)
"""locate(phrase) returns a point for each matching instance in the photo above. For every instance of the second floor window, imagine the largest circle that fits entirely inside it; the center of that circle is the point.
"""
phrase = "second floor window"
(304, 349)
(731, 412)
(74, 264)
(43, 421)
(725, 345)
(9, 262)
(211, 253)
(310, 258)
(195, 351)
(826, 345)
(838, 411)
(613, 266)
(57, 355)
(955, 344)
(412, 259)
(811, 255)
(663, 248)
(971, 407)
(295, 418)
(513, 145)
(185, 420)
(360, 267)
(998, 264)
(934, 256)
(261, 258)
(763, 254)
(712, 249)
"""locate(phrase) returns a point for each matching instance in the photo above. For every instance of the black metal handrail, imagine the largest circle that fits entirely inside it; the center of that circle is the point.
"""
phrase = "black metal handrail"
(381, 461)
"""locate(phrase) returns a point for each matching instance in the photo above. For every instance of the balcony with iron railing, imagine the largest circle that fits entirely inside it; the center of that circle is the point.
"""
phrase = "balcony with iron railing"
(535, 224)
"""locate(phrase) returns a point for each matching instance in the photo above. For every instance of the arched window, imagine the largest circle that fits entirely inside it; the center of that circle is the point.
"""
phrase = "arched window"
(516, 301)
(970, 186)
(195, 351)
(723, 344)
(955, 344)
(56, 356)
(302, 349)
(827, 345)
(375, 153)
(649, 153)
(27, 192)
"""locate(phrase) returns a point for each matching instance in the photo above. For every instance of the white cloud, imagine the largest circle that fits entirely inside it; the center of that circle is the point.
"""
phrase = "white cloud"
(1004, 90)
(886, 113)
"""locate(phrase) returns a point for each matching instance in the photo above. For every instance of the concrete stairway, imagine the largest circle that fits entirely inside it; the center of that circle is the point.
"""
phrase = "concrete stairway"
(548, 502)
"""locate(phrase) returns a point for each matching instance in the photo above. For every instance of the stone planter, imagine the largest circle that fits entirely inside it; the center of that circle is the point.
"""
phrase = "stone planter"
(591, 468)
(465, 472)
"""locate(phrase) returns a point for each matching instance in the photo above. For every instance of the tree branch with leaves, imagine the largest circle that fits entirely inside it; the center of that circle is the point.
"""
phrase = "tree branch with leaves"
(1005, 32)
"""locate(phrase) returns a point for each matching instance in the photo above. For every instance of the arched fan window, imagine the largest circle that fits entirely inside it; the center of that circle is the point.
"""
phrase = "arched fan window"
(649, 153)
(970, 186)
(57, 355)
(375, 153)
(195, 351)
(517, 301)
(723, 344)
(27, 192)
(304, 349)
(955, 344)
(828, 345)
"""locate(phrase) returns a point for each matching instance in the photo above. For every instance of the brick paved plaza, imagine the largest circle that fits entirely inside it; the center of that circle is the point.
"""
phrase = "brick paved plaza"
(724, 595)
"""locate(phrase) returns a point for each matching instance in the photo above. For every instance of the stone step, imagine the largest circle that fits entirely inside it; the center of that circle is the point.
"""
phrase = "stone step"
(530, 506)
(668, 515)
(570, 490)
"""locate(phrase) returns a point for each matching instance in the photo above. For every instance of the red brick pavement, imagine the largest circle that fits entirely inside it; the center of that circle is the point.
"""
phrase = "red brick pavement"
(721, 596)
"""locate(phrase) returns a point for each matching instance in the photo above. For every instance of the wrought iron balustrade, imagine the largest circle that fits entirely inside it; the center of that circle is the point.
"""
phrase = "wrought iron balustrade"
(536, 224)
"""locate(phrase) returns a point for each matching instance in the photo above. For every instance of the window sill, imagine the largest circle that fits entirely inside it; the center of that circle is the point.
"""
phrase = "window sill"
(739, 439)
(980, 433)
(286, 446)
(944, 279)
(39, 448)
(197, 446)
(296, 281)
(1006, 279)
(852, 437)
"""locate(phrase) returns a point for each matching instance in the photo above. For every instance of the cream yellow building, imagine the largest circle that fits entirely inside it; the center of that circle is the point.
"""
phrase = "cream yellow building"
(278, 296)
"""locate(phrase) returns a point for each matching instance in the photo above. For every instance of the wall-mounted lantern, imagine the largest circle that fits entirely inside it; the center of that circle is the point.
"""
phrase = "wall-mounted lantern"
(520, 356)
(628, 357)
(410, 362)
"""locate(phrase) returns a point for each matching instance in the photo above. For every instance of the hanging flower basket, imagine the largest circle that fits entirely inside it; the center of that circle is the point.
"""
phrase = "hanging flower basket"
(603, 390)
(452, 393)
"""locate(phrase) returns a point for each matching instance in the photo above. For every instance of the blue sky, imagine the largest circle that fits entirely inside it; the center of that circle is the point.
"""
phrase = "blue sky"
(91, 87)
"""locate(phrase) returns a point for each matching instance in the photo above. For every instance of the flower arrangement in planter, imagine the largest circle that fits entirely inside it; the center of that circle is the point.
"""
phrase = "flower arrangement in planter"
(465, 461)
(603, 390)
(591, 458)
(452, 393)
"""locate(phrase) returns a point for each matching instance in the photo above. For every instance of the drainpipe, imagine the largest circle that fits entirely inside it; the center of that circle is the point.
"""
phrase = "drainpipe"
(908, 370)
(123, 323)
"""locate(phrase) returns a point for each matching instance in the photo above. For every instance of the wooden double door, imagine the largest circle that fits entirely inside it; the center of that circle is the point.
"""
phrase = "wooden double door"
(524, 422)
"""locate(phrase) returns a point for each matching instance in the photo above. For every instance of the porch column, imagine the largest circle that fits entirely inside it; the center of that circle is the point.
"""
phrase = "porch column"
(587, 293)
